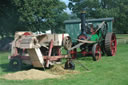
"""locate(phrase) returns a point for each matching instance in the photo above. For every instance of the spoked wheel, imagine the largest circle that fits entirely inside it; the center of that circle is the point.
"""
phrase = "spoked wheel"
(110, 44)
(15, 64)
(69, 65)
(96, 52)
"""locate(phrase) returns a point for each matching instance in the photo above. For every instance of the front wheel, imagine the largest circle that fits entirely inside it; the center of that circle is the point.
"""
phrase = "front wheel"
(69, 65)
(15, 64)
(96, 52)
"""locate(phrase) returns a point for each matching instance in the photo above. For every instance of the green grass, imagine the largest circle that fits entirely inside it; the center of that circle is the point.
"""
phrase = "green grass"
(107, 71)
(122, 36)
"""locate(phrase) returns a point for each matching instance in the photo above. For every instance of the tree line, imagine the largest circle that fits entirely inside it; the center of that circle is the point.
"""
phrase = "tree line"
(41, 15)
(32, 15)
(102, 9)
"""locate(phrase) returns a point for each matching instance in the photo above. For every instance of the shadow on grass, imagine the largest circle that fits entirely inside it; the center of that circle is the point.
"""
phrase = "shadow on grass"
(6, 68)
(84, 58)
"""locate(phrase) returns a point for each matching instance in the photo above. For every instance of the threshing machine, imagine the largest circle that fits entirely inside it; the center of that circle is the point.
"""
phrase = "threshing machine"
(38, 50)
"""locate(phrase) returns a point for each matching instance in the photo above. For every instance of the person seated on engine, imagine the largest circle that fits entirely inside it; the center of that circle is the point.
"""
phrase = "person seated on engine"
(92, 29)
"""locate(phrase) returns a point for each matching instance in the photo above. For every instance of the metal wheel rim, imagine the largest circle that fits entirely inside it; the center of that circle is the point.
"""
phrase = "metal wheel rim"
(113, 45)
(98, 52)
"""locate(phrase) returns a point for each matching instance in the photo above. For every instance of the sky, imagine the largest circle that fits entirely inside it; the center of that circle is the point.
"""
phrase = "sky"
(67, 10)
(66, 1)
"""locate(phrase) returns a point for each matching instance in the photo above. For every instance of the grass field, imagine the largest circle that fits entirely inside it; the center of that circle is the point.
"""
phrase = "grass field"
(107, 71)
(122, 36)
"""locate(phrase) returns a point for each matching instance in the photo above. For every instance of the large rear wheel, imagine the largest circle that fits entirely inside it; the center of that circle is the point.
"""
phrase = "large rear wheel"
(110, 44)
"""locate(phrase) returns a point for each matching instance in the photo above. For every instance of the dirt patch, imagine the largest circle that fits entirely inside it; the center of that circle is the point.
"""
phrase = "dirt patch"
(34, 74)
(59, 70)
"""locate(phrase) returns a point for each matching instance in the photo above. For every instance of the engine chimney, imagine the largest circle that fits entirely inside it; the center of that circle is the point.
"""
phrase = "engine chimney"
(83, 27)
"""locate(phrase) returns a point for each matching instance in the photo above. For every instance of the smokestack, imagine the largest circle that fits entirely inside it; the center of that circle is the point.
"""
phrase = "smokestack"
(83, 27)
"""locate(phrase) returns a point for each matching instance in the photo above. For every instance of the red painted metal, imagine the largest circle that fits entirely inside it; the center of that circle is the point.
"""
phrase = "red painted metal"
(98, 52)
(27, 33)
(73, 53)
(93, 33)
(50, 49)
(113, 45)
(25, 57)
(82, 37)
(84, 53)
(90, 53)
(49, 53)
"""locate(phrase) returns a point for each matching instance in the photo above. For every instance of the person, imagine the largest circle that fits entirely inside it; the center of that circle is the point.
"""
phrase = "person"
(92, 29)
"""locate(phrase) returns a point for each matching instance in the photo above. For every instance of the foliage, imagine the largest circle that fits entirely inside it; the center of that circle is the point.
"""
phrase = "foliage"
(8, 18)
(31, 15)
(104, 8)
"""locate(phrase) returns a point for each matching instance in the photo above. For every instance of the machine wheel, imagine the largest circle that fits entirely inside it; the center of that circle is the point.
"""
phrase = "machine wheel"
(73, 53)
(96, 52)
(67, 43)
(15, 64)
(110, 44)
(69, 65)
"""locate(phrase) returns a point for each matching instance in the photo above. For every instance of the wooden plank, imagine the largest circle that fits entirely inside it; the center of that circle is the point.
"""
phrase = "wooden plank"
(86, 41)
(36, 57)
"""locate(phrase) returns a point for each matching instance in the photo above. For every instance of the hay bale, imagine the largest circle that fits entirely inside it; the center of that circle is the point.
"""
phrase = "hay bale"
(59, 70)
(32, 74)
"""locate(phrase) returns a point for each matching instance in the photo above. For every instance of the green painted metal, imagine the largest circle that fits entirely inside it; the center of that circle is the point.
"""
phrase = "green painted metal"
(73, 30)
(94, 37)
(73, 27)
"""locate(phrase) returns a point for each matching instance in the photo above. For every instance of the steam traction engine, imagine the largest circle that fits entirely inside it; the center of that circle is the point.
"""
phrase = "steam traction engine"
(94, 40)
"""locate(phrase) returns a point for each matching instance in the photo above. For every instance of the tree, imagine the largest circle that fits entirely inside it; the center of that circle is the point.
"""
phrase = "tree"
(39, 14)
(104, 8)
(8, 18)
(30, 15)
